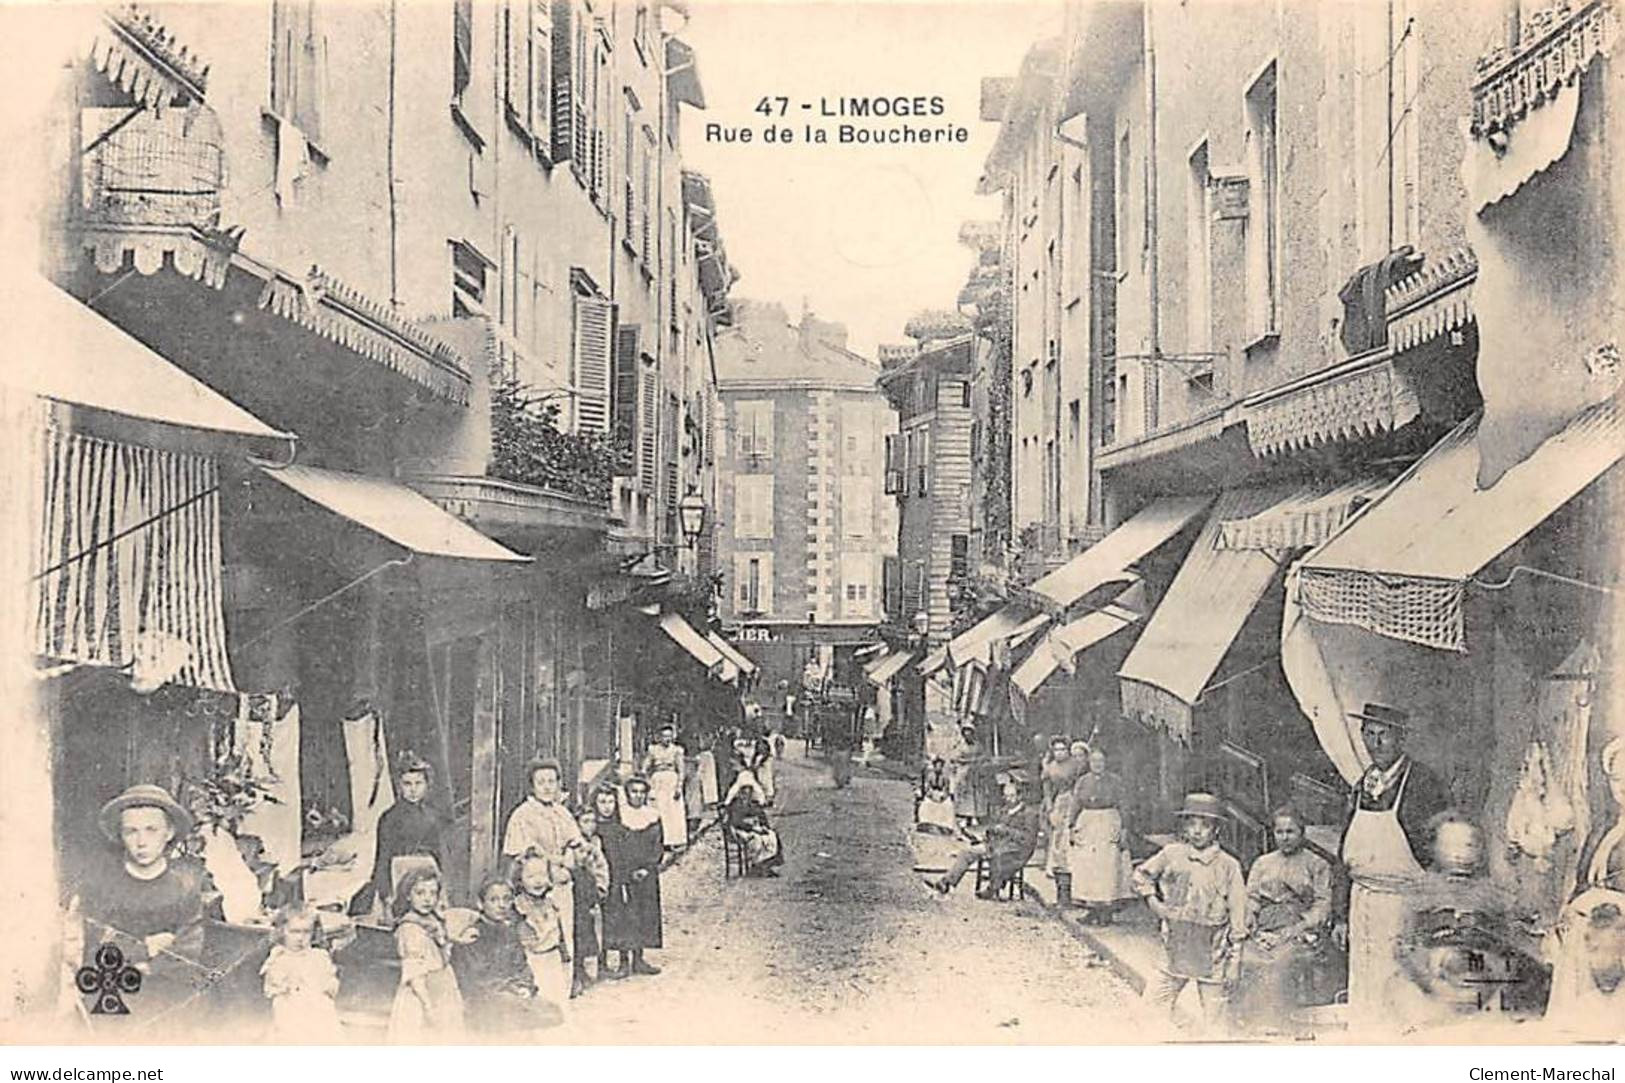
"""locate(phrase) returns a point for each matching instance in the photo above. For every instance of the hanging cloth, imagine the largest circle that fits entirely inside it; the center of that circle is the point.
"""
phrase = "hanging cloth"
(278, 820)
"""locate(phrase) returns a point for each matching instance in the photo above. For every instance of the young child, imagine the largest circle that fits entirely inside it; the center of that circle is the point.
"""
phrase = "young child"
(590, 883)
(542, 927)
(301, 981)
(1196, 890)
(493, 973)
(428, 1003)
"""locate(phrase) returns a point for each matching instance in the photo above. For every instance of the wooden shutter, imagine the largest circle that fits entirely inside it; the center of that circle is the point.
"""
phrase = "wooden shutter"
(764, 598)
(649, 430)
(563, 104)
(516, 63)
(626, 393)
(594, 328)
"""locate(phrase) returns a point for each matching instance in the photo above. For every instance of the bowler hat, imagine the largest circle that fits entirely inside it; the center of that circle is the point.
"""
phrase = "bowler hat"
(145, 795)
(1203, 804)
(1383, 715)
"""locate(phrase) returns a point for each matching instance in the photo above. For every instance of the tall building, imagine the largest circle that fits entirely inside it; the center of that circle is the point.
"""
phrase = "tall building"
(805, 527)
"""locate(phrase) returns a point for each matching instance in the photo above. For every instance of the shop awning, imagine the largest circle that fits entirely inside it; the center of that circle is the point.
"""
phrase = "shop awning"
(1110, 558)
(1400, 567)
(1305, 519)
(1064, 644)
(1013, 623)
(62, 350)
(684, 635)
(934, 661)
(881, 671)
(394, 512)
(1199, 617)
(731, 653)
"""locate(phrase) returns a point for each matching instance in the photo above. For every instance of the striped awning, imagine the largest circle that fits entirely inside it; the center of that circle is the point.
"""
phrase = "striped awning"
(684, 635)
(1304, 519)
(1064, 644)
(1109, 559)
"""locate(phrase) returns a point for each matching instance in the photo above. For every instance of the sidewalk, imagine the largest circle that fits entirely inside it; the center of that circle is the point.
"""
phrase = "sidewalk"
(1130, 945)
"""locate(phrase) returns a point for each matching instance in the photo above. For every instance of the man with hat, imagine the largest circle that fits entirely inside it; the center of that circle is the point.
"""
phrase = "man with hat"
(1385, 843)
(1197, 892)
(145, 903)
(1008, 845)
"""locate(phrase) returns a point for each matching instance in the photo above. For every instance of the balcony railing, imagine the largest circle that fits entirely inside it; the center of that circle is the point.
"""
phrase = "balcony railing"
(150, 173)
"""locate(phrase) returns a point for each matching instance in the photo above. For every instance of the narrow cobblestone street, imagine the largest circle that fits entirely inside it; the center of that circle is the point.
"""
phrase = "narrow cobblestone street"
(848, 945)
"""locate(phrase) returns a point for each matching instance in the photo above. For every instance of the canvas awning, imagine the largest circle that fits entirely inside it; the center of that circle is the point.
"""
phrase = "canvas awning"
(1199, 617)
(1013, 624)
(1400, 567)
(393, 512)
(934, 661)
(1064, 644)
(882, 670)
(62, 350)
(1110, 558)
(731, 653)
(684, 635)
(1305, 519)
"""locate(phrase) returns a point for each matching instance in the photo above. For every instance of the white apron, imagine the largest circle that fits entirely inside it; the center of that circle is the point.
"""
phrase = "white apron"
(1381, 869)
(666, 794)
(1099, 865)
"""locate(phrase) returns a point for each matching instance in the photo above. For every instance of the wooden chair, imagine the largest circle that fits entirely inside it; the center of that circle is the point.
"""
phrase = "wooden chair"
(733, 853)
(1013, 889)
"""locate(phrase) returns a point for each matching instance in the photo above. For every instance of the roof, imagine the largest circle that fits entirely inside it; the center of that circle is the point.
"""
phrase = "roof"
(63, 350)
(393, 512)
(763, 346)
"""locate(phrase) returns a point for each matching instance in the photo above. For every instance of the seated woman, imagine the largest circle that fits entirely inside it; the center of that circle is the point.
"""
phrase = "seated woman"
(748, 819)
(934, 812)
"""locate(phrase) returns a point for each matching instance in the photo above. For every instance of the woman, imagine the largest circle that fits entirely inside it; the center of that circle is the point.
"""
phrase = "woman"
(634, 845)
(748, 819)
(970, 804)
(934, 814)
(1060, 773)
(663, 766)
(411, 827)
(1098, 861)
(693, 783)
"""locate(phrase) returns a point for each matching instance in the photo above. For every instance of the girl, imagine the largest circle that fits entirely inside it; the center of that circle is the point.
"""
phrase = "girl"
(607, 804)
(634, 846)
(493, 972)
(934, 813)
(535, 878)
(410, 827)
(590, 883)
(300, 981)
(428, 1003)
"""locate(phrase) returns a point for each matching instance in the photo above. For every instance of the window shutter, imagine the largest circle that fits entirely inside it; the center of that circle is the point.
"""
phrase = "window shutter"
(764, 600)
(563, 119)
(626, 394)
(649, 430)
(462, 27)
(594, 326)
(541, 76)
(516, 67)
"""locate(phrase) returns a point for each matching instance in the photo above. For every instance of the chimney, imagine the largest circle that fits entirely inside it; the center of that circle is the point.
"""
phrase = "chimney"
(827, 332)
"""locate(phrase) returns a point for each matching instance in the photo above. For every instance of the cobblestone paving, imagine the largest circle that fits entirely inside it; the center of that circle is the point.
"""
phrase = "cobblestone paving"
(848, 945)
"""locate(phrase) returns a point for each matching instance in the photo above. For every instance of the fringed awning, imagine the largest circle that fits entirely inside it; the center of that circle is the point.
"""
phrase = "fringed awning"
(344, 315)
(1357, 404)
(1555, 46)
(1303, 520)
(128, 562)
(143, 59)
(1435, 301)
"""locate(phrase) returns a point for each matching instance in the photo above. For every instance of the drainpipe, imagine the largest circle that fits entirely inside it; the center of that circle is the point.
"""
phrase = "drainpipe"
(394, 222)
(1153, 291)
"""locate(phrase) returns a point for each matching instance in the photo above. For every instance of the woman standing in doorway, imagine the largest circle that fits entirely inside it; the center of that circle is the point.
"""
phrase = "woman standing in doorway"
(1099, 860)
(663, 766)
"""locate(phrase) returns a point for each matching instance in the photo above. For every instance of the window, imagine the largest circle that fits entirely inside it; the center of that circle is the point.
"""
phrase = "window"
(649, 427)
(468, 269)
(640, 32)
(1263, 205)
(753, 506)
(645, 193)
(629, 208)
(958, 556)
(975, 440)
(753, 582)
(1198, 253)
(627, 391)
(298, 66)
(964, 394)
(924, 467)
(592, 332)
(754, 421)
(857, 582)
(1151, 389)
(857, 507)
(1122, 197)
(528, 77)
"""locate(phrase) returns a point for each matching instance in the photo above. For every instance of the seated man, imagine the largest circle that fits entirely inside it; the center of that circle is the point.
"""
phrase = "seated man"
(1008, 845)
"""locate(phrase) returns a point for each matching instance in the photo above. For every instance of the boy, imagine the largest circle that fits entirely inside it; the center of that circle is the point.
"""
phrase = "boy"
(1197, 892)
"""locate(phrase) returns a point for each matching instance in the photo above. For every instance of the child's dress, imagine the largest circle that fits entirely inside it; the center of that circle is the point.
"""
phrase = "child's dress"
(424, 948)
(542, 932)
(301, 986)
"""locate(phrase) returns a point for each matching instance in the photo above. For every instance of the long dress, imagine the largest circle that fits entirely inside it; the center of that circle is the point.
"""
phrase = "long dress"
(121, 910)
(406, 830)
(748, 819)
(499, 991)
(1097, 857)
(301, 986)
(1059, 777)
(632, 917)
(664, 766)
(936, 807)
(424, 948)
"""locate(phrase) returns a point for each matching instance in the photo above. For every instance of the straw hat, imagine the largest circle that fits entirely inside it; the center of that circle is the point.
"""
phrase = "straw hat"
(145, 795)
(1383, 715)
(1203, 804)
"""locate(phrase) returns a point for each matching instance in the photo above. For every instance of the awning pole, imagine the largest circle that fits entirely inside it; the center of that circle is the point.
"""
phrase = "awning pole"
(319, 602)
(126, 532)
(1542, 573)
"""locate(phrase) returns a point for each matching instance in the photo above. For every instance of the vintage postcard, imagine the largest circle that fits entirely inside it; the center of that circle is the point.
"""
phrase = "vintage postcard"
(624, 522)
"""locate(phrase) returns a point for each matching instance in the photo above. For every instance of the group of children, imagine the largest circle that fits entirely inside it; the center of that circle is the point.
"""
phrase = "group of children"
(505, 968)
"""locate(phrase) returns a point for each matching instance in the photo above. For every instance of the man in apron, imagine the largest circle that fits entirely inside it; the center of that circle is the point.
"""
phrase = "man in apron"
(1389, 810)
